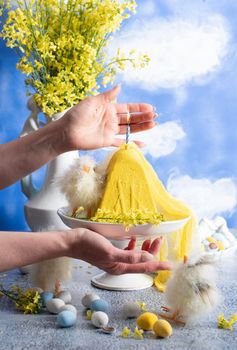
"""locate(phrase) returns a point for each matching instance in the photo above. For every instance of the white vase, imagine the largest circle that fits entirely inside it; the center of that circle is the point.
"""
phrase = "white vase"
(41, 207)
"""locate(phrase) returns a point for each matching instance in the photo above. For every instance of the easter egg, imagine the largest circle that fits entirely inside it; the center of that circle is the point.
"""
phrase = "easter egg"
(162, 328)
(65, 296)
(147, 320)
(54, 305)
(88, 298)
(221, 238)
(68, 307)
(66, 319)
(212, 247)
(131, 309)
(46, 296)
(99, 319)
(38, 289)
(99, 305)
(210, 239)
(205, 242)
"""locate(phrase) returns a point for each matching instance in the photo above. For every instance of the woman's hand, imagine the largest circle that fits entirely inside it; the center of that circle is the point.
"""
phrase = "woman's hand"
(98, 251)
(95, 121)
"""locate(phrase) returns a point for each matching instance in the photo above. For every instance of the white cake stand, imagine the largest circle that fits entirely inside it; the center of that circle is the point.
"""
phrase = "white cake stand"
(119, 237)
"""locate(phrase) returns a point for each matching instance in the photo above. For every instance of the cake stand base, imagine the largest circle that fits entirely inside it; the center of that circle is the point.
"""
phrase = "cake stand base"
(126, 282)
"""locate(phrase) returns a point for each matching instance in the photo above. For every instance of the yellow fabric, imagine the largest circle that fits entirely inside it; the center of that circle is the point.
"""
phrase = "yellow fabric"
(161, 279)
(132, 183)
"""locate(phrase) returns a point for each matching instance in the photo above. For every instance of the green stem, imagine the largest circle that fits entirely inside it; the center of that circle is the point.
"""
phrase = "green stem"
(7, 294)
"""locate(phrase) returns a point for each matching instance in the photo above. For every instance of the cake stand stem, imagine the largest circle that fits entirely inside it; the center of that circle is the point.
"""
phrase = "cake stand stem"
(125, 282)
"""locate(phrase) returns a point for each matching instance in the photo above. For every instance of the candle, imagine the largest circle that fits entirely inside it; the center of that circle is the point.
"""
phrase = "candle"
(128, 128)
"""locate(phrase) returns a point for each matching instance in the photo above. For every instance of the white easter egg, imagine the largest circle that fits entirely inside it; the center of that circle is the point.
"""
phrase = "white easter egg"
(68, 307)
(65, 296)
(131, 310)
(99, 319)
(54, 305)
(88, 298)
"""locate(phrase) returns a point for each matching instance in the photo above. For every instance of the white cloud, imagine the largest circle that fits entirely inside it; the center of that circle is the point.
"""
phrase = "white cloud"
(204, 197)
(162, 139)
(180, 49)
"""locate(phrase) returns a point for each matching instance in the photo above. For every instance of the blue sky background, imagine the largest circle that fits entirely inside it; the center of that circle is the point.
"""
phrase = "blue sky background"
(191, 80)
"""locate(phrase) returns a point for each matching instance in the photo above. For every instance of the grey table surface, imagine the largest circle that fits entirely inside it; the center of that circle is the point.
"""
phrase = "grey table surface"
(18, 331)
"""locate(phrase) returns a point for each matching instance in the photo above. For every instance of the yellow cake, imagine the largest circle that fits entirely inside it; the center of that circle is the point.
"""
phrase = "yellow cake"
(133, 187)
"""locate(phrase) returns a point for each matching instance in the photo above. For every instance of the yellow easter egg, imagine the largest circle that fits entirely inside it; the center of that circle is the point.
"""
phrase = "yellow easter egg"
(162, 329)
(211, 239)
(147, 320)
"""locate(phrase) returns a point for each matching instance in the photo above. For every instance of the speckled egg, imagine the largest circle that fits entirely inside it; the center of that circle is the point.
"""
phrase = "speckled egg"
(162, 329)
(131, 310)
(66, 319)
(65, 296)
(99, 319)
(88, 298)
(99, 305)
(147, 320)
(54, 305)
(46, 296)
(68, 307)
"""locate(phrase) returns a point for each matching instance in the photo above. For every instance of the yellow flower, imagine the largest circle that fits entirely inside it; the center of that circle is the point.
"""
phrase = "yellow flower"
(227, 324)
(138, 333)
(28, 302)
(88, 315)
(128, 219)
(142, 305)
(125, 332)
(63, 45)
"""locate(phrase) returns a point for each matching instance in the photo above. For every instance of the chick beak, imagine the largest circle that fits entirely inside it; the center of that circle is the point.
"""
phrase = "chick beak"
(185, 259)
(86, 168)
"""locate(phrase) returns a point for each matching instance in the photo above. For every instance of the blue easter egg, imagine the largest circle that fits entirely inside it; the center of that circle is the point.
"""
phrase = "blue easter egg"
(220, 237)
(66, 319)
(46, 296)
(99, 305)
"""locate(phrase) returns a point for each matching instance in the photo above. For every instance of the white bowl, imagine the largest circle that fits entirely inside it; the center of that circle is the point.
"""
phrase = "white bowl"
(117, 231)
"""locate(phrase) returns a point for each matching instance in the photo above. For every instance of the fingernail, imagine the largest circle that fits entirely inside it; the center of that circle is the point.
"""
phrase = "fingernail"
(147, 257)
(154, 108)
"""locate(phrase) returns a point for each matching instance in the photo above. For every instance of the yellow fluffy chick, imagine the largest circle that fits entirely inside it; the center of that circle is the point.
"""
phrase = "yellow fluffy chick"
(83, 186)
(191, 291)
